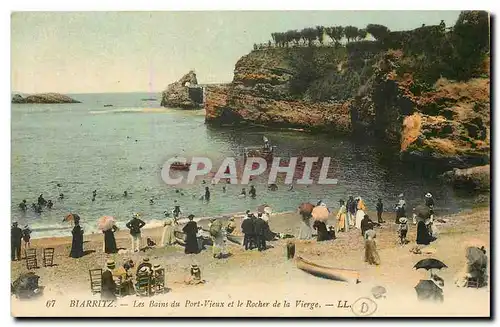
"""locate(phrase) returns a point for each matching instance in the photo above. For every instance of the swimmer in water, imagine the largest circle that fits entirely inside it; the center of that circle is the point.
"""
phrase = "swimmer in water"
(61, 196)
(125, 194)
(151, 201)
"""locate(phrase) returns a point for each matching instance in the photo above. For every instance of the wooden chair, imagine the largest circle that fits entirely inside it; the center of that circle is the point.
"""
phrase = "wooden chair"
(31, 260)
(48, 257)
(95, 280)
(143, 285)
(473, 282)
(159, 281)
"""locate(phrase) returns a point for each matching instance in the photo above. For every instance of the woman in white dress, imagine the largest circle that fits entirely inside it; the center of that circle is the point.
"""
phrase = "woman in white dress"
(360, 213)
(168, 237)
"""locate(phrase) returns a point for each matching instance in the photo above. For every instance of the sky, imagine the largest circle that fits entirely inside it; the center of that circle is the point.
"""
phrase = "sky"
(94, 52)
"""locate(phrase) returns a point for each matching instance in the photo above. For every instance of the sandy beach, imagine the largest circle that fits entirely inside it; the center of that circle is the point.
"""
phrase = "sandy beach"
(268, 277)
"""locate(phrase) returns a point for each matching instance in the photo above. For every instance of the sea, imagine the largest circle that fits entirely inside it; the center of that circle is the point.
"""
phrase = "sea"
(116, 142)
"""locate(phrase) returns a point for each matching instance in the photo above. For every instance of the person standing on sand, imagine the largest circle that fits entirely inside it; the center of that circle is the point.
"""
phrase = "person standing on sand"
(360, 212)
(322, 231)
(259, 230)
(77, 241)
(371, 254)
(305, 232)
(366, 224)
(217, 235)
(168, 236)
(247, 229)
(109, 240)
(400, 208)
(15, 242)
(191, 230)
(342, 224)
(351, 211)
(380, 210)
(135, 226)
(26, 237)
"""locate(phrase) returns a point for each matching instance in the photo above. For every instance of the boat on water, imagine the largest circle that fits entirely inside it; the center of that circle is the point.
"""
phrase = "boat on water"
(108, 105)
(180, 166)
(339, 274)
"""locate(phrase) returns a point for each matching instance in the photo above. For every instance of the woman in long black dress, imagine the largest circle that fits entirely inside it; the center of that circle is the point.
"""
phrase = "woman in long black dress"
(191, 229)
(109, 240)
(423, 236)
(77, 242)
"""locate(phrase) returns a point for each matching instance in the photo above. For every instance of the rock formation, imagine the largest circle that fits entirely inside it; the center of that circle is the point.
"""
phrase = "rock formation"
(43, 98)
(368, 88)
(184, 93)
(470, 179)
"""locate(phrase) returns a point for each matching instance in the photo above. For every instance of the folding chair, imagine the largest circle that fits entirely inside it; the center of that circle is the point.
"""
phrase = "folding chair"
(31, 260)
(95, 280)
(143, 285)
(48, 257)
(159, 281)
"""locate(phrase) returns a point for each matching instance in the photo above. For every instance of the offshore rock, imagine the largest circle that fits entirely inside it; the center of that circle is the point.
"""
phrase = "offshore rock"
(184, 93)
(43, 98)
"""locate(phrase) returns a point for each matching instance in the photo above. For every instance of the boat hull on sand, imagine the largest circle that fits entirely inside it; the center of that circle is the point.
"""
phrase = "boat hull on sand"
(343, 275)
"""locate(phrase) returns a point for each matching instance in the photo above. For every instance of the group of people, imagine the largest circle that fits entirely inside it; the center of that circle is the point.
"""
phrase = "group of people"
(124, 274)
(38, 206)
(17, 236)
(256, 231)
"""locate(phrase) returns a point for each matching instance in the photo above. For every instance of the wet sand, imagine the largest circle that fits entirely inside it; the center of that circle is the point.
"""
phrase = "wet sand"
(268, 276)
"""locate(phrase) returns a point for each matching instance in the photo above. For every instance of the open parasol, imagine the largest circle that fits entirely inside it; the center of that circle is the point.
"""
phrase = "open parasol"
(71, 218)
(422, 211)
(429, 264)
(320, 213)
(427, 290)
(305, 209)
(264, 209)
(106, 223)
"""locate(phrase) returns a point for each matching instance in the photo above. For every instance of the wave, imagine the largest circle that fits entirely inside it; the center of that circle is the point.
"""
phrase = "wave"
(129, 110)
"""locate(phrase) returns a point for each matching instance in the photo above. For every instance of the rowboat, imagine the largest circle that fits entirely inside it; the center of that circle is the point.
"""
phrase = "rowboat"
(180, 166)
(339, 274)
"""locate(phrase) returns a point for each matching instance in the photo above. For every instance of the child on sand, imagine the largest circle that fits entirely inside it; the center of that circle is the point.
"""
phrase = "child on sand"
(402, 230)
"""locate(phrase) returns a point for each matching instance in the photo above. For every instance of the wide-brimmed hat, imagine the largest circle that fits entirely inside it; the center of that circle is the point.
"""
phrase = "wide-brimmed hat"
(145, 259)
(190, 216)
(428, 195)
(403, 220)
(156, 266)
(110, 263)
(232, 218)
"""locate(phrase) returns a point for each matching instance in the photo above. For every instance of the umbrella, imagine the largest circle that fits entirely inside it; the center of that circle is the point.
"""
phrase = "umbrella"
(427, 290)
(305, 209)
(320, 213)
(263, 208)
(476, 258)
(422, 211)
(429, 264)
(72, 217)
(105, 223)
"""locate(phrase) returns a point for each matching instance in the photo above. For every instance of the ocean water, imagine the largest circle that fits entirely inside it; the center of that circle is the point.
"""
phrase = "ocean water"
(87, 147)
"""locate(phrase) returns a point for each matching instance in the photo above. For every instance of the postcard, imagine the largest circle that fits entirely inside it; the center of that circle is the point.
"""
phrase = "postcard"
(250, 163)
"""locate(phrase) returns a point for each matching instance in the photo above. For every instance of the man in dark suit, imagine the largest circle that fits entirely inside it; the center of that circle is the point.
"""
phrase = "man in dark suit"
(16, 235)
(247, 227)
(260, 228)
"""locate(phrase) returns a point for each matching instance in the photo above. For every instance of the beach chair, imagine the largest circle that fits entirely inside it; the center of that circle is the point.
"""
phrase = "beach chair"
(31, 261)
(143, 285)
(48, 257)
(95, 280)
(159, 281)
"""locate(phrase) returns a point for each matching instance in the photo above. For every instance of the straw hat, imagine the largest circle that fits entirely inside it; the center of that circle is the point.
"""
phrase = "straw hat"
(191, 216)
(145, 259)
(110, 263)
(428, 195)
(403, 220)
(156, 266)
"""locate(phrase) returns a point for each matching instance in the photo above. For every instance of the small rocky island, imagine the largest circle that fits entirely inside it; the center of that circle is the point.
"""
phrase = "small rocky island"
(185, 93)
(43, 98)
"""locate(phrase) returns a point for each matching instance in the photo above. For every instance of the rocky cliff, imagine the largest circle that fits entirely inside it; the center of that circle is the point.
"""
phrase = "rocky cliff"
(43, 98)
(184, 93)
(426, 91)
